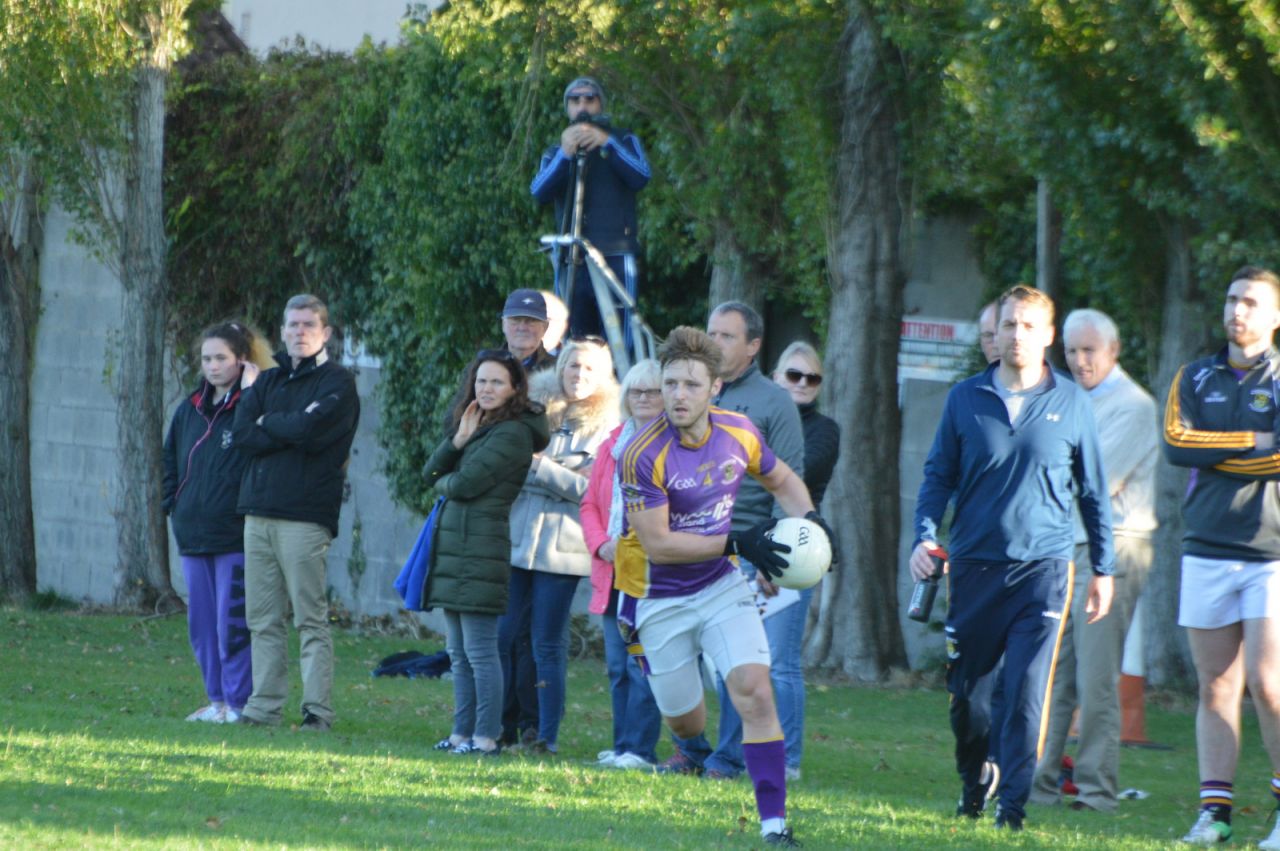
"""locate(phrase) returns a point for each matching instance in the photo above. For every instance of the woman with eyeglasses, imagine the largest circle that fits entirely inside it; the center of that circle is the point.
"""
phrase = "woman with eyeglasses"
(636, 720)
(548, 553)
(799, 372)
(480, 469)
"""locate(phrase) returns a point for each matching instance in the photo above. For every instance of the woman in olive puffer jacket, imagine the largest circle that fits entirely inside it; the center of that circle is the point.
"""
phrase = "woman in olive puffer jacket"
(480, 470)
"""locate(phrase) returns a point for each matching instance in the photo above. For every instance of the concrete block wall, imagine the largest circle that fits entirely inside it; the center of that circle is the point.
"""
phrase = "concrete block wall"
(73, 427)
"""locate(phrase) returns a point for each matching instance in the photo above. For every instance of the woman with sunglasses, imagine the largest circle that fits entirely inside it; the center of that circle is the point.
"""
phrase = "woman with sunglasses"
(547, 548)
(799, 372)
(480, 469)
(636, 720)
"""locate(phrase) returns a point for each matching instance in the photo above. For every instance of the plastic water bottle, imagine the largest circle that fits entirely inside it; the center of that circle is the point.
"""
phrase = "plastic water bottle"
(926, 589)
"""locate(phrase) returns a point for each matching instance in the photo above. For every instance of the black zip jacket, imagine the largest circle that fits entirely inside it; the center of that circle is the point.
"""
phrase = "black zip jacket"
(1232, 506)
(298, 454)
(202, 470)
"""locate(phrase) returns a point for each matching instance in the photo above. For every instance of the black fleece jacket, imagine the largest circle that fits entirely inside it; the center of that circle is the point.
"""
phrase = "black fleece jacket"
(298, 453)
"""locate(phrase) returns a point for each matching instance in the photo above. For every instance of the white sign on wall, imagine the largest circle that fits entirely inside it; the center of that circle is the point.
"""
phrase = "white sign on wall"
(935, 349)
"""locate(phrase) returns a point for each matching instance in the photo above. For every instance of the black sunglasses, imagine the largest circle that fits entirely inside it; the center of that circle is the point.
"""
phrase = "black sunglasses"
(795, 376)
(590, 338)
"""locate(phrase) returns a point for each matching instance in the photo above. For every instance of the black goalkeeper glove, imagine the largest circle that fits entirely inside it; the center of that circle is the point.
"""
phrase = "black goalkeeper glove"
(831, 536)
(757, 547)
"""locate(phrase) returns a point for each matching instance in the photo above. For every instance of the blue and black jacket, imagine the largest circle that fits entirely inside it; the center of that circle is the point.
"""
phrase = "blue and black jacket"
(202, 470)
(1014, 485)
(1211, 418)
(616, 171)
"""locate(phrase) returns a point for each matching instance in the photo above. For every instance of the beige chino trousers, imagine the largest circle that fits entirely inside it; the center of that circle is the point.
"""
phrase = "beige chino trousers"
(284, 565)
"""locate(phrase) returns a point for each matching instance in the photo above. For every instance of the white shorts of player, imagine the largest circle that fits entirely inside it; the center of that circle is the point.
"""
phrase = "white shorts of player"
(1220, 592)
(721, 621)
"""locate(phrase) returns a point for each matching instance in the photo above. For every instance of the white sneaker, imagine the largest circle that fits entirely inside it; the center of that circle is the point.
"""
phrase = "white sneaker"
(605, 759)
(1208, 831)
(227, 716)
(206, 713)
(793, 773)
(1272, 842)
(632, 761)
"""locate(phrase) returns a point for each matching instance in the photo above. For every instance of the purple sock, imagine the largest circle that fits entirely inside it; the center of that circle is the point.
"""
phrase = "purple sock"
(767, 768)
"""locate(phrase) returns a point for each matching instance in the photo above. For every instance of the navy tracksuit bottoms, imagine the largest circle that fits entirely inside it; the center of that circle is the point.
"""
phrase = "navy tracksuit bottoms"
(1015, 610)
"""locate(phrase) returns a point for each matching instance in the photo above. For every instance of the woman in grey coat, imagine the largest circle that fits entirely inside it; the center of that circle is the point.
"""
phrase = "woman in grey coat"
(548, 553)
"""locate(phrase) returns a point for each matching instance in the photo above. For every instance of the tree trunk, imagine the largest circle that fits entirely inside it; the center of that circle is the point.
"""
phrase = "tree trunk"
(20, 241)
(1048, 241)
(1168, 655)
(142, 572)
(735, 276)
(858, 631)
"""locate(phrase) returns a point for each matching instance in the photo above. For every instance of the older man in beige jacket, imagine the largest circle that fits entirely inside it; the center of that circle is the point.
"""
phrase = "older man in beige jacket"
(1088, 669)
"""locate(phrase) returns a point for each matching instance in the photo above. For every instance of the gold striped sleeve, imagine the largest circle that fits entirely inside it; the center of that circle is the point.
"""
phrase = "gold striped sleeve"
(1177, 434)
(1265, 465)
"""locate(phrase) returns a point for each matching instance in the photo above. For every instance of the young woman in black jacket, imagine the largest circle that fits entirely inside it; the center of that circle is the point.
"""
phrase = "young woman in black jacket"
(202, 472)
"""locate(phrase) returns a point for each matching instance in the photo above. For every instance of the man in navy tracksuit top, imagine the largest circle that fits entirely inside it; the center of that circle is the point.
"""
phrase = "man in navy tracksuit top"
(615, 169)
(1016, 449)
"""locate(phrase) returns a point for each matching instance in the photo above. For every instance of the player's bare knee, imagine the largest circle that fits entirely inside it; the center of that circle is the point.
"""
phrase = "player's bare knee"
(688, 725)
(1264, 688)
(752, 692)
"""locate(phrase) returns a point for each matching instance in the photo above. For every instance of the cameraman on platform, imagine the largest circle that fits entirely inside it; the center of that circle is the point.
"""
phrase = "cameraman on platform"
(614, 169)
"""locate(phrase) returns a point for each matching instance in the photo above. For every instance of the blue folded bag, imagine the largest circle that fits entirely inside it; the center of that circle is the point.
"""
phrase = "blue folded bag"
(412, 581)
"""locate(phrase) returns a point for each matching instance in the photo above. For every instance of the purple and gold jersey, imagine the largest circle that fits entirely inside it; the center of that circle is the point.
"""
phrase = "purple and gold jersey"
(698, 484)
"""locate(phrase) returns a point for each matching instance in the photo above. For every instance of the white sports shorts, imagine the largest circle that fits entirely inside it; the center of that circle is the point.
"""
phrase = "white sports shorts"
(1219, 592)
(721, 621)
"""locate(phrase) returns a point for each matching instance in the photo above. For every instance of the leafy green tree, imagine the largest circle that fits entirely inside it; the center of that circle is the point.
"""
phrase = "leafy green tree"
(85, 84)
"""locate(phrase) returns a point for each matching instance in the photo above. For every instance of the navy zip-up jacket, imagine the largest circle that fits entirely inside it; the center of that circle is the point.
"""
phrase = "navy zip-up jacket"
(202, 470)
(616, 171)
(1014, 485)
(1232, 506)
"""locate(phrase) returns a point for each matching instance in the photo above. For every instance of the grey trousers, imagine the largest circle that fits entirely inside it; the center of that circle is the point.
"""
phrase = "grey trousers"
(472, 642)
(1088, 675)
(284, 565)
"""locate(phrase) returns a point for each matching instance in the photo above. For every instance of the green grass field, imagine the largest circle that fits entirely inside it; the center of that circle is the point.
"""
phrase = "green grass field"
(94, 753)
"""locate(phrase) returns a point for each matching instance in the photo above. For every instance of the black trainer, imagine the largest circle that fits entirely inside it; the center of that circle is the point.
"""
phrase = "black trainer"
(1008, 820)
(784, 839)
(314, 723)
(973, 799)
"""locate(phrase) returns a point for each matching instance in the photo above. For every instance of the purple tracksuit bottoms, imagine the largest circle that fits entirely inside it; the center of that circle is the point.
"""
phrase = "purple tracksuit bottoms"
(216, 624)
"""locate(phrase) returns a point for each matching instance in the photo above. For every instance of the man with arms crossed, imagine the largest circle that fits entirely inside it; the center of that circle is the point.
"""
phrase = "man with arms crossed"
(1220, 420)
(296, 421)
(1016, 447)
(1088, 671)
(681, 592)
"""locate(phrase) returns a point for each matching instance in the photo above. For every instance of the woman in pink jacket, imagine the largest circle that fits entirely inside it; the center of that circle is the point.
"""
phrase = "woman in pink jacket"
(636, 720)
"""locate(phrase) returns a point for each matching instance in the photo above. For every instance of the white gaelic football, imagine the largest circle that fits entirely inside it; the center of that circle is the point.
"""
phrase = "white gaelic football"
(810, 556)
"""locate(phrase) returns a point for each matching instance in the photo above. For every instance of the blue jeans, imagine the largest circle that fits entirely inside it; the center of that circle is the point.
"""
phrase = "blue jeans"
(785, 632)
(636, 720)
(477, 676)
(548, 596)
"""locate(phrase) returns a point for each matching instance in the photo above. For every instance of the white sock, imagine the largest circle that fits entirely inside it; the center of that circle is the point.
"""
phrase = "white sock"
(772, 825)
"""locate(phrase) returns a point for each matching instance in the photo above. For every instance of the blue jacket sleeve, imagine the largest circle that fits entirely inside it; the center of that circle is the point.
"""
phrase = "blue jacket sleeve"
(1188, 445)
(170, 458)
(1093, 496)
(549, 182)
(628, 161)
(941, 475)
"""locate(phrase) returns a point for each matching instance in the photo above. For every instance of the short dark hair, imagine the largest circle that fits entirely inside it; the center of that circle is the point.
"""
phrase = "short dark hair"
(687, 343)
(514, 407)
(306, 301)
(1031, 295)
(754, 321)
(1257, 273)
